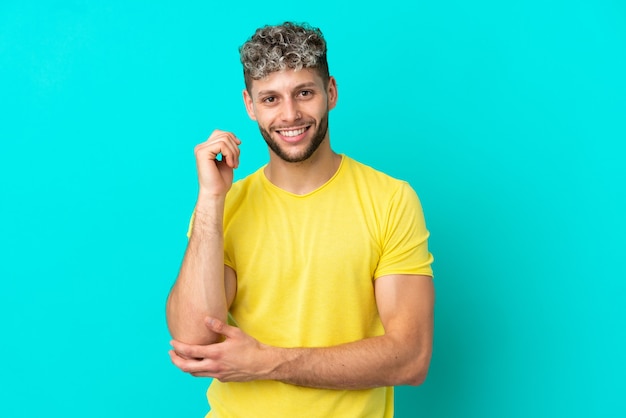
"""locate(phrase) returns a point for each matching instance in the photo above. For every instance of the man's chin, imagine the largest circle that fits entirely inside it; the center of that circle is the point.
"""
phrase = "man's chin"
(293, 157)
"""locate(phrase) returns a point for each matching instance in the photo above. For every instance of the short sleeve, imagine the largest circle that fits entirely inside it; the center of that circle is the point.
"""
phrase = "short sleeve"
(404, 237)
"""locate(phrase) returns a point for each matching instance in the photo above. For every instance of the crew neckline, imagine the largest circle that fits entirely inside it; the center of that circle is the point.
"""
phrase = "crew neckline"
(274, 187)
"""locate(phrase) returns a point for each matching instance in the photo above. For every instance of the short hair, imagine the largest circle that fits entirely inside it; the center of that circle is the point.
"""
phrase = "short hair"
(287, 46)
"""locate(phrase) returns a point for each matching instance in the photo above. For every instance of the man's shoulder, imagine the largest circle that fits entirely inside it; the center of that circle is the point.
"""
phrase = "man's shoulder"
(371, 175)
(247, 181)
(242, 188)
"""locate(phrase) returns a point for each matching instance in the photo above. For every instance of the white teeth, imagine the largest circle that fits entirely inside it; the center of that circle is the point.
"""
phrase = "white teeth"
(293, 133)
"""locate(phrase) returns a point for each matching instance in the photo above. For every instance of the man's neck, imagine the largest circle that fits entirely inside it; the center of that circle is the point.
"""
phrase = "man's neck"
(306, 176)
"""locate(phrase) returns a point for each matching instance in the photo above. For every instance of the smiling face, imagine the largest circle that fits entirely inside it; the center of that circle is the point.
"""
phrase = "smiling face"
(291, 108)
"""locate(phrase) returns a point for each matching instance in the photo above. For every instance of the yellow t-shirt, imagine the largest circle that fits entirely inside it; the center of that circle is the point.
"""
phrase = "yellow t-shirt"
(305, 268)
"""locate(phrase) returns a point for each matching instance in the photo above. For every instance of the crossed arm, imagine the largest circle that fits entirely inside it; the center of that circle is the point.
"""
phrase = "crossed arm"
(399, 357)
(204, 345)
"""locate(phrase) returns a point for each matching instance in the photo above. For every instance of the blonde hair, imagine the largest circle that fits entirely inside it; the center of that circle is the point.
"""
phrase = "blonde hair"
(276, 48)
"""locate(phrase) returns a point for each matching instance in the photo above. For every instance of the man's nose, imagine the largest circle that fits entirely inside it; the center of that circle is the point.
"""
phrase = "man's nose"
(290, 111)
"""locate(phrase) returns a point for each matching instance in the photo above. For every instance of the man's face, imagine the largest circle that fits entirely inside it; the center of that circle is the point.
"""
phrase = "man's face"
(291, 108)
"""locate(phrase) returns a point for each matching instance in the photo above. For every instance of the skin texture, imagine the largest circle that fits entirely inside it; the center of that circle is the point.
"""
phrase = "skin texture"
(204, 345)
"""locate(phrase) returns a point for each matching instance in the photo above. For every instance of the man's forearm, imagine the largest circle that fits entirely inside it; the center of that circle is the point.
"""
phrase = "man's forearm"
(373, 362)
(199, 290)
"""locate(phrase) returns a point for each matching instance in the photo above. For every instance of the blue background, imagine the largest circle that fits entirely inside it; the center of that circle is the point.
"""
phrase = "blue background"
(506, 117)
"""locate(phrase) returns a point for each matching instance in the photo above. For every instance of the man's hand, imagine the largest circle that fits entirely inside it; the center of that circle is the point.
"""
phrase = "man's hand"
(238, 358)
(216, 176)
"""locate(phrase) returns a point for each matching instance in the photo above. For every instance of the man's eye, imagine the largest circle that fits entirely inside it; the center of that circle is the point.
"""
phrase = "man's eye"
(306, 93)
(269, 99)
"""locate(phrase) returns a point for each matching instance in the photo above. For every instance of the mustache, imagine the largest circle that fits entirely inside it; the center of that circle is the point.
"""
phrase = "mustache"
(301, 124)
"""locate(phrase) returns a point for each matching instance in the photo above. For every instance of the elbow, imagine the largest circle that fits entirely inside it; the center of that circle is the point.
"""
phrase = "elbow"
(414, 373)
(415, 377)
(418, 377)
(188, 326)
(193, 333)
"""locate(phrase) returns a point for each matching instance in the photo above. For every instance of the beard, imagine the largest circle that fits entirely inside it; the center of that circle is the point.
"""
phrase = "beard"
(315, 143)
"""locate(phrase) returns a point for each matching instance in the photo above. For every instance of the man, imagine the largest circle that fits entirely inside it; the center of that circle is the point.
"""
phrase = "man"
(306, 288)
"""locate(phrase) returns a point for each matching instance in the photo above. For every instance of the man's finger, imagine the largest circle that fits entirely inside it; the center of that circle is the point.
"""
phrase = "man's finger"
(187, 351)
(200, 367)
(220, 327)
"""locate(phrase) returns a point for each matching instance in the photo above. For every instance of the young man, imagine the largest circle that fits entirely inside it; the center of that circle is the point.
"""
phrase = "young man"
(306, 288)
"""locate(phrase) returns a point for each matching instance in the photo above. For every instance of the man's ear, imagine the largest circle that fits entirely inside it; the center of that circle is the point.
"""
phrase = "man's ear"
(332, 93)
(247, 100)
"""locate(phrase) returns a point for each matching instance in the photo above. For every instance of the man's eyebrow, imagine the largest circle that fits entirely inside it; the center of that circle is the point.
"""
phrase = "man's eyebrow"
(309, 84)
(305, 85)
(266, 93)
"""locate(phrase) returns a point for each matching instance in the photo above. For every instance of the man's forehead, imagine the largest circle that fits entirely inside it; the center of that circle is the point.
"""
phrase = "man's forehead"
(286, 80)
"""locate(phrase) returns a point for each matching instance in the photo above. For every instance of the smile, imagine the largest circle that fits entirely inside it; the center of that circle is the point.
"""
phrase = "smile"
(293, 132)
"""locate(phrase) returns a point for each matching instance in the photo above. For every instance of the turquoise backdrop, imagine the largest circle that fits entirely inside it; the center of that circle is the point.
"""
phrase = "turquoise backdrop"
(507, 117)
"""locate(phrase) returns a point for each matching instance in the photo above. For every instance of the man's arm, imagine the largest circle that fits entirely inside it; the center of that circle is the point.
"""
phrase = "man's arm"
(205, 287)
(399, 357)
